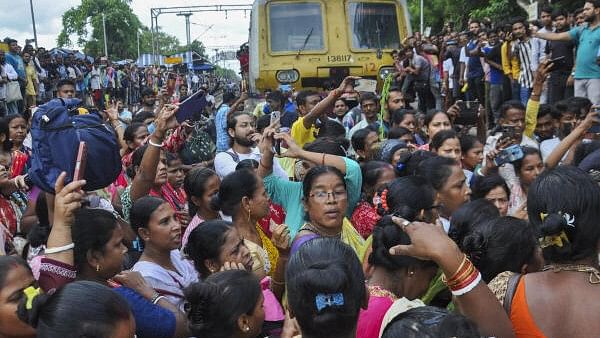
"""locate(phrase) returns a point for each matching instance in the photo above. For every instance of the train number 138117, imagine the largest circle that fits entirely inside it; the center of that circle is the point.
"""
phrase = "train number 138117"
(339, 58)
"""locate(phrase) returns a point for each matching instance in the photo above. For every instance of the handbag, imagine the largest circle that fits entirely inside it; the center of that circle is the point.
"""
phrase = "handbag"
(13, 92)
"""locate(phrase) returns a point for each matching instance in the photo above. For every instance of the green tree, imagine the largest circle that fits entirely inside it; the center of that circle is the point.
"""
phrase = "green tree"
(195, 46)
(226, 73)
(438, 12)
(122, 26)
(167, 44)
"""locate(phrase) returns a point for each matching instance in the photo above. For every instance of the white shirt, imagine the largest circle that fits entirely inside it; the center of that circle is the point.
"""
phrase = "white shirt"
(449, 67)
(548, 146)
(225, 163)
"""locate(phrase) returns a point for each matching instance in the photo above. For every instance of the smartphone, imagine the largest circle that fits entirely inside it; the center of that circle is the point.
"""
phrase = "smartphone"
(275, 117)
(557, 59)
(509, 155)
(79, 172)
(365, 85)
(468, 113)
(508, 132)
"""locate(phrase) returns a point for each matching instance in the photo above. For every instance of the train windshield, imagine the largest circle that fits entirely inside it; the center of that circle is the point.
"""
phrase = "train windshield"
(373, 25)
(296, 26)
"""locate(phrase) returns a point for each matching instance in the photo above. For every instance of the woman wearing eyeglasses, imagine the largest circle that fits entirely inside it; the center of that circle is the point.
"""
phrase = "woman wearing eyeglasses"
(325, 197)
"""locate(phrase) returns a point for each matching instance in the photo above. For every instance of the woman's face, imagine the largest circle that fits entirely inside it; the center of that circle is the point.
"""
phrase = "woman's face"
(175, 174)
(450, 149)
(17, 280)
(409, 122)
(473, 156)
(210, 189)
(111, 261)
(161, 170)
(259, 203)
(439, 122)
(455, 192)
(234, 250)
(531, 168)
(340, 109)
(499, 198)
(327, 202)
(17, 130)
(138, 137)
(163, 231)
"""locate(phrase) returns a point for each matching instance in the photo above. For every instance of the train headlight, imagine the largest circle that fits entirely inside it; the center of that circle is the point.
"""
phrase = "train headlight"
(385, 71)
(287, 76)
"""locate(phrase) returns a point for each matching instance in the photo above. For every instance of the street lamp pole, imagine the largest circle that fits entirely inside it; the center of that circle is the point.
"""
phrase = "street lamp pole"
(33, 22)
(104, 29)
(421, 17)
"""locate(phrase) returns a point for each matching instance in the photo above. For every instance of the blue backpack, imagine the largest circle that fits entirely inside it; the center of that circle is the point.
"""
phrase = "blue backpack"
(57, 128)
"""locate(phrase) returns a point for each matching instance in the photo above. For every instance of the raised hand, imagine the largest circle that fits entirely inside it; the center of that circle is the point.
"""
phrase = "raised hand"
(68, 199)
(281, 238)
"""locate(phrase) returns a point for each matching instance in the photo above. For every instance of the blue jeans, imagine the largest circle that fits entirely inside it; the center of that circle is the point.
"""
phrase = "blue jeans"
(524, 94)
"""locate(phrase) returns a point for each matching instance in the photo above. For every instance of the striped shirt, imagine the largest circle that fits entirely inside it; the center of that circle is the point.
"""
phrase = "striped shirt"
(528, 53)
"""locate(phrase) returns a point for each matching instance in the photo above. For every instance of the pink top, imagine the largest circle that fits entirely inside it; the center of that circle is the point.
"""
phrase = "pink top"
(193, 225)
(369, 320)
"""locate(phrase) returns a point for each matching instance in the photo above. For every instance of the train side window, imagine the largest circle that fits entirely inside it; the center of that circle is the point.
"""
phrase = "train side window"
(373, 25)
(296, 26)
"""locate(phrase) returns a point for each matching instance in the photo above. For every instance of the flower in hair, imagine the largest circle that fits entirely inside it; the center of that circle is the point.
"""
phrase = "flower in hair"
(30, 294)
(384, 204)
(556, 240)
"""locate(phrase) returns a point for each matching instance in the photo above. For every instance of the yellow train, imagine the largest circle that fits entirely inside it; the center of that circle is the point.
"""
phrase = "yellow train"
(316, 43)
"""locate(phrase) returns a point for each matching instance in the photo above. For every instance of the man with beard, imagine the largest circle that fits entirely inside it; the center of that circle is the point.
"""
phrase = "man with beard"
(242, 139)
(587, 39)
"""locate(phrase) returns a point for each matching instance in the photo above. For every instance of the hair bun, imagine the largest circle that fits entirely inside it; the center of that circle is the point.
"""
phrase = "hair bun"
(553, 224)
(475, 246)
(200, 299)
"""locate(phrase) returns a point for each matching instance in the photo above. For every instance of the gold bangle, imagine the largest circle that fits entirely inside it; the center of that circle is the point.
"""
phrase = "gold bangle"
(446, 280)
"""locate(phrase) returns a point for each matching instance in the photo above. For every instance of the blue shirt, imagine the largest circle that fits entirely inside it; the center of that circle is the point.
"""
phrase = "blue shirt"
(496, 75)
(221, 126)
(588, 42)
(16, 62)
(475, 67)
(150, 320)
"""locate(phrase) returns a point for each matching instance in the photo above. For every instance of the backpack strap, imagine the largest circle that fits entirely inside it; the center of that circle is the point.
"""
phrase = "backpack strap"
(511, 289)
(234, 156)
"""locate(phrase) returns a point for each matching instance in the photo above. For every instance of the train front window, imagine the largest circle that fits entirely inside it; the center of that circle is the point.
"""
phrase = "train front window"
(296, 26)
(373, 25)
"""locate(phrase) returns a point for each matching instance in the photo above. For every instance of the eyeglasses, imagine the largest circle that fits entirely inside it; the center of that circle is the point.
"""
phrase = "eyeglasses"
(322, 196)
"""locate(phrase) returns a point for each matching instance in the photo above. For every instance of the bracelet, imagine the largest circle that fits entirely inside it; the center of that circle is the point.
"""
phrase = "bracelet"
(158, 299)
(458, 271)
(469, 287)
(60, 248)
(155, 144)
(323, 159)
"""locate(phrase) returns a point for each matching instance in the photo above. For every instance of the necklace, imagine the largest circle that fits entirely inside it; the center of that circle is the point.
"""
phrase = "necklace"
(313, 229)
(594, 273)
(378, 291)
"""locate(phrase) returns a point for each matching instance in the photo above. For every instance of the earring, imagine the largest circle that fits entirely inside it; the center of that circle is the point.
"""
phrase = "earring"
(247, 328)
(97, 267)
(249, 214)
(411, 273)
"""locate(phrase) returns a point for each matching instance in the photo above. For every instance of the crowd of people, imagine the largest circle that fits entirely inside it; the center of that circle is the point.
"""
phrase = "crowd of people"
(446, 204)
(33, 75)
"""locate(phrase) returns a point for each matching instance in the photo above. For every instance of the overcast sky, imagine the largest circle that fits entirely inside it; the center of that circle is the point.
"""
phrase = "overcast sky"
(15, 21)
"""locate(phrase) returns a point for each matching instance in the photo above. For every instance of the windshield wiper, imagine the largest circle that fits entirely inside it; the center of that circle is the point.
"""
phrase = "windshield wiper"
(305, 42)
(379, 52)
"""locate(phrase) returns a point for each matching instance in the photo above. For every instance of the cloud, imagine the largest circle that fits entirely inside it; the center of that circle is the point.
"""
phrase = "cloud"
(16, 20)
(216, 30)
